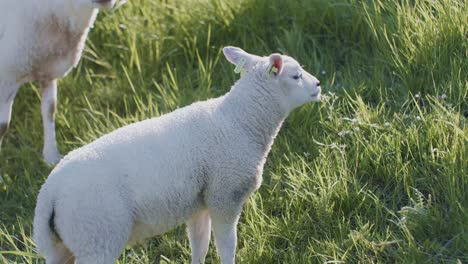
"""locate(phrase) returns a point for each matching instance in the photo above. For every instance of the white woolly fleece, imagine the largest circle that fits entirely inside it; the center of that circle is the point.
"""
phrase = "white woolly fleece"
(196, 165)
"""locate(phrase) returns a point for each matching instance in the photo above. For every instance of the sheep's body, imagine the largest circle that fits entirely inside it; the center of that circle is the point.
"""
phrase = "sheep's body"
(181, 164)
(195, 165)
(40, 41)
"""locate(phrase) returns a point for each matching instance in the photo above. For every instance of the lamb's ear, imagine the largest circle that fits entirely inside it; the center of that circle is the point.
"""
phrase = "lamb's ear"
(234, 54)
(240, 58)
(276, 64)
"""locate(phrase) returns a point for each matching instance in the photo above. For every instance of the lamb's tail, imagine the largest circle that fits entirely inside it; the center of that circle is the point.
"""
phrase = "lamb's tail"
(44, 233)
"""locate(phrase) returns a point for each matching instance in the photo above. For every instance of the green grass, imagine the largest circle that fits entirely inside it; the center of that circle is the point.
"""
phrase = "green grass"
(376, 173)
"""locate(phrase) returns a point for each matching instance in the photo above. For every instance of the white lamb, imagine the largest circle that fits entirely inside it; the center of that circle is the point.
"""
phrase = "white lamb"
(196, 165)
(41, 40)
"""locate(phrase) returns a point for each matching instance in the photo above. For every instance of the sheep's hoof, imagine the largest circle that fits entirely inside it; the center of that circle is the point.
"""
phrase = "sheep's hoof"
(52, 158)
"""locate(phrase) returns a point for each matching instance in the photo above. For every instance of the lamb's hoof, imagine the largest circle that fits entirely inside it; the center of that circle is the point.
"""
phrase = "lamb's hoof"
(52, 158)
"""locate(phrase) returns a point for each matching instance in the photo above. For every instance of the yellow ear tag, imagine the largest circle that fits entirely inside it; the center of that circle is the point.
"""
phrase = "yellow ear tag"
(240, 66)
(273, 70)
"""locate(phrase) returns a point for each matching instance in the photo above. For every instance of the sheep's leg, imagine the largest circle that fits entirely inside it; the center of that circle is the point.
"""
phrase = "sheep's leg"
(7, 96)
(97, 226)
(199, 232)
(61, 255)
(225, 234)
(49, 103)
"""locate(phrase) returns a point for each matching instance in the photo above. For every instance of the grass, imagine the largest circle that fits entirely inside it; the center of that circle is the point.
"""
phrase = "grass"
(376, 173)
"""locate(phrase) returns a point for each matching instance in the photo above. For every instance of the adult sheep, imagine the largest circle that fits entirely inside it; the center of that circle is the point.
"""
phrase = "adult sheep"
(41, 41)
(196, 165)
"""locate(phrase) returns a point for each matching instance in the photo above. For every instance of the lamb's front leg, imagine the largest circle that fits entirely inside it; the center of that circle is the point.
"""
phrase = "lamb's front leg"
(225, 213)
(225, 199)
(225, 234)
(48, 106)
(199, 233)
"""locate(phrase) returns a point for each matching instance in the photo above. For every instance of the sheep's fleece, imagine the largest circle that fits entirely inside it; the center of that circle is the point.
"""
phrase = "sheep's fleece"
(196, 165)
(41, 40)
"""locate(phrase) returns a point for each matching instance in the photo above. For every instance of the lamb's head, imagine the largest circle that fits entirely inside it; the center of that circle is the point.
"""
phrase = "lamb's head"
(283, 75)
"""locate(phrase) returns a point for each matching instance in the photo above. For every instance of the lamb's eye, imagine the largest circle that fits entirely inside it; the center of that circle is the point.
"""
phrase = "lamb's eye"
(297, 76)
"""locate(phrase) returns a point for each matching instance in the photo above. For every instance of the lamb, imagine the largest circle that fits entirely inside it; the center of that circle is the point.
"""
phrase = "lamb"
(196, 165)
(41, 41)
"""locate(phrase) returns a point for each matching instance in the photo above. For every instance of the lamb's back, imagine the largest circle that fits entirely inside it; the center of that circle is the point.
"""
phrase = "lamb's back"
(166, 147)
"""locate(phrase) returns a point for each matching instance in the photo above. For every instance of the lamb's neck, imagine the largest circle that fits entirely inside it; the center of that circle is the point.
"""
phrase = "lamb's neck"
(254, 109)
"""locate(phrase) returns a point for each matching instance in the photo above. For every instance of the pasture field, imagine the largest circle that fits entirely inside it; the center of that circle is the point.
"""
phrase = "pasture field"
(376, 173)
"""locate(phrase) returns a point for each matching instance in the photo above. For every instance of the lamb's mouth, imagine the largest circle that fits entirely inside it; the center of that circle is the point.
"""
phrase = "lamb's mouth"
(315, 94)
(102, 2)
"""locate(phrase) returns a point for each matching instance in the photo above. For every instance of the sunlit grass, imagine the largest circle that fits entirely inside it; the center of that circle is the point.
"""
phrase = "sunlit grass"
(376, 173)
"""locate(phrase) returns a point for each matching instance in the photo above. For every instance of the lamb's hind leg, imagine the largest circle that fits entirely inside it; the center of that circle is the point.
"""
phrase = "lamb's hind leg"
(61, 255)
(199, 232)
(48, 106)
(97, 226)
(7, 95)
